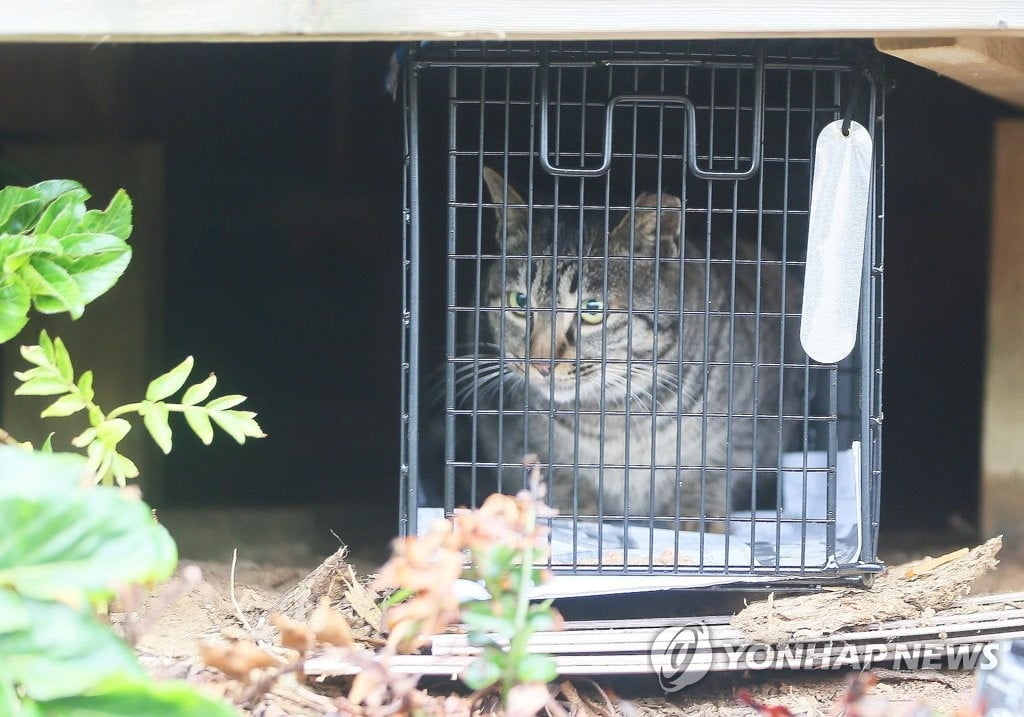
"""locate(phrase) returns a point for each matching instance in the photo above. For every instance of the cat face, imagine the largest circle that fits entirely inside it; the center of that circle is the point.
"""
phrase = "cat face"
(589, 320)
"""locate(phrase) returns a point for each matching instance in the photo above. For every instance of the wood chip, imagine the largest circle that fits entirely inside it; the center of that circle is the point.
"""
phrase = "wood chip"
(927, 565)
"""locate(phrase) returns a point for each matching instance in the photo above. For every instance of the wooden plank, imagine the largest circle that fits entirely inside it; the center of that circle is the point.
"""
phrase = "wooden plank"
(993, 65)
(1002, 445)
(273, 20)
(626, 648)
(640, 640)
(333, 663)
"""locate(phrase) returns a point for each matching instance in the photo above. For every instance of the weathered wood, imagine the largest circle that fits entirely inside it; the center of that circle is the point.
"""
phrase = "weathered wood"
(895, 595)
(1002, 444)
(273, 20)
(582, 650)
(993, 65)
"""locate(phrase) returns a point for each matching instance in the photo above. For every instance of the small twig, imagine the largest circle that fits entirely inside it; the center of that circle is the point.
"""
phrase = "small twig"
(267, 682)
(238, 610)
(608, 702)
(554, 709)
(7, 438)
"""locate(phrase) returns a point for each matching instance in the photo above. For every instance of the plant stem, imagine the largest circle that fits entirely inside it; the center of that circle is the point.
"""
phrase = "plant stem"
(134, 408)
(517, 645)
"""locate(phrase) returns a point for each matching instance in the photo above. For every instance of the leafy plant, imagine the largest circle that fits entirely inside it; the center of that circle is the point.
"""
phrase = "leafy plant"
(505, 545)
(55, 254)
(67, 546)
(53, 375)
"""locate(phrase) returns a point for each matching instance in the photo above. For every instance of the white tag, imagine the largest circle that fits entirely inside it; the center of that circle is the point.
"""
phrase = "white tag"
(840, 192)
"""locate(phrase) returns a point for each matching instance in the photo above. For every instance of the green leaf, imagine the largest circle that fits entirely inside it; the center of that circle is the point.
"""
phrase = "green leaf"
(123, 468)
(540, 620)
(53, 289)
(11, 200)
(62, 359)
(477, 616)
(225, 402)
(199, 421)
(536, 668)
(36, 354)
(116, 219)
(496, 563)
(481, 674)
(46, 344)
(63, 406)
(85, 386)
(163, 386)
(229, 424)
(39, 386)
(86, 244)
(84, 438)
(127, 697)
(66, 470)
(156, 418)
(63, 652)
(112, 431)
(15, 299)
(47, 446)
(101, 457)
(63, 539)
(199, 392)
(13, 615)
(481, 639)
(19, 250)
(97, 273)
(63, 213)
(50, 189)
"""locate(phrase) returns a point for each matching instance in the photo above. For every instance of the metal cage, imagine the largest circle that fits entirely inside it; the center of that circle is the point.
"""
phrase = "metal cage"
(605, 244)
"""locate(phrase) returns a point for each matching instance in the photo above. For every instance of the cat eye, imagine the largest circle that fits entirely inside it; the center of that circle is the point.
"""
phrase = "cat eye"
(592, 311)
(517, 300)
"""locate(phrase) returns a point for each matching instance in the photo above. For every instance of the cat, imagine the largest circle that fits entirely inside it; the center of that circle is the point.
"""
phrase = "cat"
(600, 373)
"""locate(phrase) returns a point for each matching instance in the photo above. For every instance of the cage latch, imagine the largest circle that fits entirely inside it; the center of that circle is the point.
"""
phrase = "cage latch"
(656, 100)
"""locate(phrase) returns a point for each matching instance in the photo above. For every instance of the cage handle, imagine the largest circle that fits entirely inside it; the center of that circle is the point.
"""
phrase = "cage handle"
(691, 131)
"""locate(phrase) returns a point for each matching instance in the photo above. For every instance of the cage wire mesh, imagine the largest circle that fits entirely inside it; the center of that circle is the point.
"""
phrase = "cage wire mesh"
(605, 244)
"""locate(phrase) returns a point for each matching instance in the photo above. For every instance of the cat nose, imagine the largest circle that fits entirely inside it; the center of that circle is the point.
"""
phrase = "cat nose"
(543, 366)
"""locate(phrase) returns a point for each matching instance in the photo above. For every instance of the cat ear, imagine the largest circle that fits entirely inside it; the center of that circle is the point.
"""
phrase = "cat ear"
(514, 218)
(644, 221)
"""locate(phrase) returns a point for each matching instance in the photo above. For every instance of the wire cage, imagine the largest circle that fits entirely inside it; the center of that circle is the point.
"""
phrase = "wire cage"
(605, 248)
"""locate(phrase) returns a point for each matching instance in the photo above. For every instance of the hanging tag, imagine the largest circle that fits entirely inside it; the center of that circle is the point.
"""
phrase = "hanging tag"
(840, 192)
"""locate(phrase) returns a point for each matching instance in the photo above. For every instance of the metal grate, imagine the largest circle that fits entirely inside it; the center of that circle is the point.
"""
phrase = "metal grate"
(620, 294)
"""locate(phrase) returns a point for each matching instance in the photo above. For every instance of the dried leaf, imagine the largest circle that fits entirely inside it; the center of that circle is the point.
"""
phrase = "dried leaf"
(294, 634)
(237, 660)
(329, 625)
(367, 686)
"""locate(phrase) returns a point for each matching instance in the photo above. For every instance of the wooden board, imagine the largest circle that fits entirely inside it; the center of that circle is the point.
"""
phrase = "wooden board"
(993, 65)
(1002, 449)
(256, 20)
(624, 646)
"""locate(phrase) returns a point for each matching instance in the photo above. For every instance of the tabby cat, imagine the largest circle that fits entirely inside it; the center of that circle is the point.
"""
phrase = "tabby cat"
(616, 360)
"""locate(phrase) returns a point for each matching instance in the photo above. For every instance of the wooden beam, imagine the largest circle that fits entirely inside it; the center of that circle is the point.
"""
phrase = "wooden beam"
(263, 20)
(1002, 446)
(993, 65)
